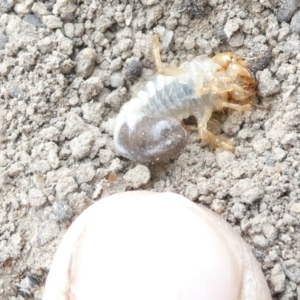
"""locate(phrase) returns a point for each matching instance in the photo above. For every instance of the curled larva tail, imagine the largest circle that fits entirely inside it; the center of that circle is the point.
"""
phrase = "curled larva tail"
(150, 139)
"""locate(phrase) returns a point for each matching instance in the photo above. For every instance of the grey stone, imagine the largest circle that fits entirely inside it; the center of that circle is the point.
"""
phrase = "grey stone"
(238, 210)
(295, 208)
(154, 13)
(52, 22)
(69, 30)
(267, 85)
(3, 40)
(224, 158)
(7, 5)
(278, 279)
(137, 177)
(40, 9)
(81, 145)
(236, 40)
(85, 173)
(74, 126)
(123, 45)
(260, 241)
(150, 2)
(47, 232)
(116, 80)
(85, 59)
(191, 191)
(36, 198)
(246, 191)
(102, 23)
(93, 112)
(90, 88)
(269, 231)
(65, 186)
(279, 154)
(33, 20)
(295, 23)
(47, 44)
(132, 68)
(287, 10)
(61, 211)
(105, 156)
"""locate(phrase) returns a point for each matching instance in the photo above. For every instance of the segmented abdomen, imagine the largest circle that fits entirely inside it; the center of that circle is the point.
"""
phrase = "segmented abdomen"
(175, 95)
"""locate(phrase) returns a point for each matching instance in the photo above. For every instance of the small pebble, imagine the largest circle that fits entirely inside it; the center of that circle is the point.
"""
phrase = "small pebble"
(85, 173)
(236, 40)
(269, 231)
(247, 191)
(267, 85)
(116, 80)
(85, 59)
(105, 156)
(260, 241)
(295, 23)
(65, 186)
(287, 10)
(7, 5)
(295, 207)
(90, 88)
(224, 158)
(279, 154)
(36, 198)
(132, 69)
(278, 279)
(81, 145)
(128, 14)
(138, 176)
(52, 22)
(238, 210)
(230, 27)
(47, 232)
(150, 2)
(92, 111)
(33, 20)
(61, 211)
(70, 31)
(261, 62)
(154, 13)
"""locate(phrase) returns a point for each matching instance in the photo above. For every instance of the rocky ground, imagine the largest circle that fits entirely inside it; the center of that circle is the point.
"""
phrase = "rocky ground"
(66, 68)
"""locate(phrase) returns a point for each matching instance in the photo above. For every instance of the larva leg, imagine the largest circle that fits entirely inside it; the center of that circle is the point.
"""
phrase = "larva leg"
(214, 140)
(156, 54)
(219, 85)
(210, 138)
(161, 69)
(237, 107)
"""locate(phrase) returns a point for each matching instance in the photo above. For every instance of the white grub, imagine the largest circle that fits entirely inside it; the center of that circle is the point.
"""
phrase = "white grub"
(149, 129)
(146, 245)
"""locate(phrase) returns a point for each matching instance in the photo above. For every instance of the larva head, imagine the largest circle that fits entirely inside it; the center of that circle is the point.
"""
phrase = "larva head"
(237, 69)
(150, 139)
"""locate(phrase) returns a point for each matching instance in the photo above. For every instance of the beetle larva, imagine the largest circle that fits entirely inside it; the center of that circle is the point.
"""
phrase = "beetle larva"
(198, 87)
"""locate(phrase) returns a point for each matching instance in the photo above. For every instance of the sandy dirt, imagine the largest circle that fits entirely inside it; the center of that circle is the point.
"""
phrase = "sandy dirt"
(67, 67)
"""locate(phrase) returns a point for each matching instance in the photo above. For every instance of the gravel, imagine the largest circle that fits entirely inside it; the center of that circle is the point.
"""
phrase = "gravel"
(65, 71)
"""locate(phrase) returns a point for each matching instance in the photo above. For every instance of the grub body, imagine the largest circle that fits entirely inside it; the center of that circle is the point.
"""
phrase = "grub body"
(164, 101)
(149, 129)
(175, 96)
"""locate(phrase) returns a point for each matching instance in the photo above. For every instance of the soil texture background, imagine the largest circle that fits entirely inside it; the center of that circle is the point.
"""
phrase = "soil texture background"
(66, 69)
